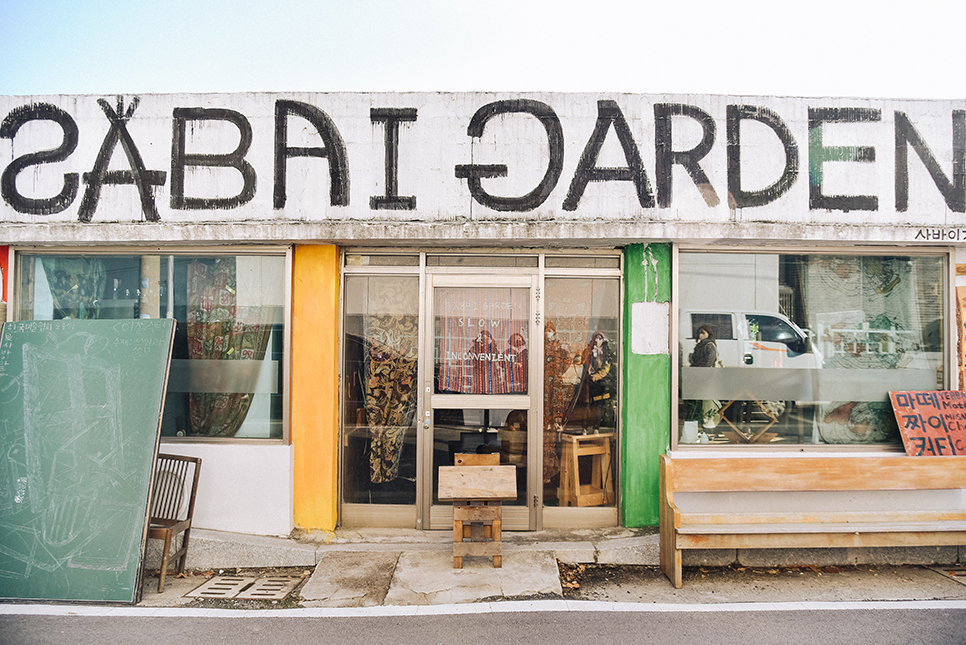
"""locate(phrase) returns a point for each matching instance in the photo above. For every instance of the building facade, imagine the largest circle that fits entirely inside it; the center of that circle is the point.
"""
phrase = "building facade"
(367, 284)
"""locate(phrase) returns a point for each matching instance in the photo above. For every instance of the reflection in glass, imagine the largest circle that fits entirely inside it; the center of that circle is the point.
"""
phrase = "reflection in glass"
(225, 379)
(581, 348)
(381, 345)
(808, 345)
(471, 431)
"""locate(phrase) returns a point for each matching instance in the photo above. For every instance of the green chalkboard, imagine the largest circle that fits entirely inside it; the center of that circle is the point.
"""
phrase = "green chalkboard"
(80, 414)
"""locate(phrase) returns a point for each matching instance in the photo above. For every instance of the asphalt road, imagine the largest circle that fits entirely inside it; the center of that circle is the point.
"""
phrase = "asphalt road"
(851, 623)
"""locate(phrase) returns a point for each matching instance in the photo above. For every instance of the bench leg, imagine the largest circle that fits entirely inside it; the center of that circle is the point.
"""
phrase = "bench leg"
(671, 561)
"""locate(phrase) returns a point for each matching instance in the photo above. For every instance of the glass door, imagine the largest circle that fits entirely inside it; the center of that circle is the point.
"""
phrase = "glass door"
(478, 394)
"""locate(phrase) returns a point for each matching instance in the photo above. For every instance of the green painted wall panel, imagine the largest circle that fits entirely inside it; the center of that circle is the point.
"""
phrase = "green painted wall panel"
(647, 270)
(646, 389)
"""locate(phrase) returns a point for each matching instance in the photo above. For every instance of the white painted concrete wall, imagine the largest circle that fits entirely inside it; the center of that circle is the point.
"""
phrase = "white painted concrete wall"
(432, 146)
(244, 488)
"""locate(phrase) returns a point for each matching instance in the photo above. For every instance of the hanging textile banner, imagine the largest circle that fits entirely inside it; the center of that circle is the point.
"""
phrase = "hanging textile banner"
(481, 340)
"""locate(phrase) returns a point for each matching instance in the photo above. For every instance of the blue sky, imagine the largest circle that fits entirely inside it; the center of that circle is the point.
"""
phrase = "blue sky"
(819, 48)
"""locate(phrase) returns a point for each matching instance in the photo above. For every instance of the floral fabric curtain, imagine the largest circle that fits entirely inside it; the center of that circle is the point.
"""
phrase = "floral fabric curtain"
(220, 330)
(390, 367)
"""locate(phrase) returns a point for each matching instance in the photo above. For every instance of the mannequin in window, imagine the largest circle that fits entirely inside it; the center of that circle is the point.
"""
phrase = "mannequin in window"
(593, 404)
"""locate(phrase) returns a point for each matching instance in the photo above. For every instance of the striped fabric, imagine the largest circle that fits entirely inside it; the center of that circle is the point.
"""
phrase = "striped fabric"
(481, 340)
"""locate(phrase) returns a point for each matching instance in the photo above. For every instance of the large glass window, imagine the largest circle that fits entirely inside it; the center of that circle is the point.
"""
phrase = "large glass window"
(381, 355)
(581, 348)
(805, 348)
(226, 379)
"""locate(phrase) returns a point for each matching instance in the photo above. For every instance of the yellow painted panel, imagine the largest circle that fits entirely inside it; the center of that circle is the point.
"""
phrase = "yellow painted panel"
(314, 413)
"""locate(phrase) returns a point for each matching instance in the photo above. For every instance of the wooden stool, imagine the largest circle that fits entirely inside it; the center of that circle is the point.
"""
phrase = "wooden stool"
(600, 490)
(477, 493)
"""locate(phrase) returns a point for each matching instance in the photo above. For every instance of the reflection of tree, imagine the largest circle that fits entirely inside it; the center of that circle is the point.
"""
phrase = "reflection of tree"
(76, 286)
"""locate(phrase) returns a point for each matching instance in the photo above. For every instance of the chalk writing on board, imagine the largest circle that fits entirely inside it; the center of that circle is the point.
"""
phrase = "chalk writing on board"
(80, 405)
(931, 423)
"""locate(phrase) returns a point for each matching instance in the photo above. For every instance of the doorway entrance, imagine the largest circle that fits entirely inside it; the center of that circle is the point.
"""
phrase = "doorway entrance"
(479, 389)
(515, 355)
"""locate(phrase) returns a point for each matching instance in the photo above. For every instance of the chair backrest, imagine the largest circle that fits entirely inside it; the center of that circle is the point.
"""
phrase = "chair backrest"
(473, 459)
(175, 487)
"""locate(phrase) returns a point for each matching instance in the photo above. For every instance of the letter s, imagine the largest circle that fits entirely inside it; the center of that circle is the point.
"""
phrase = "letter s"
(8, 181)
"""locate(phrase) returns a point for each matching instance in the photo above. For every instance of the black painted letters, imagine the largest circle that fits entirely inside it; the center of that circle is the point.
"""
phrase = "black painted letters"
(55, 139)
(138, 175)
(818, 154)
(667, 157)
(235, 159)
(608, 113)
(334, 150)
(474, 172)
(954, 192)
(742, 198)
(392, 200)
(8, 181)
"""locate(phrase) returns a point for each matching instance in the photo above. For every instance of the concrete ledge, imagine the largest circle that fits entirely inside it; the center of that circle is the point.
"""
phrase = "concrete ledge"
(643, 550)
(219, 549)
(566, 552)
(923, 555)
(708, 557)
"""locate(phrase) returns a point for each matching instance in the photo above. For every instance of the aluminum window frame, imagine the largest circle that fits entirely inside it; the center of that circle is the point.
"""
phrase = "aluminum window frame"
(950, 356)
(14, 279)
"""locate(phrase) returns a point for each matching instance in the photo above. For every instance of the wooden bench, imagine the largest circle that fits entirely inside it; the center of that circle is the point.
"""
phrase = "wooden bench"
(727, 526)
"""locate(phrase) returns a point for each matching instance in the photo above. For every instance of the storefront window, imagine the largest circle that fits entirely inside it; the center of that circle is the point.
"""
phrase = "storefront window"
(381, 351)
(581, 348)
(225, 379)
(804, 348)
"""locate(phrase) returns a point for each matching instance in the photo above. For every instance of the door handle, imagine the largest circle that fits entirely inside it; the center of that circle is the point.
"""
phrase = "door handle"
(749, 359)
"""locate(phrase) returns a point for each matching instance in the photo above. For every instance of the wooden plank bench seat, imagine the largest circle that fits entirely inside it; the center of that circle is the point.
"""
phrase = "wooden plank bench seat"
(729, 526)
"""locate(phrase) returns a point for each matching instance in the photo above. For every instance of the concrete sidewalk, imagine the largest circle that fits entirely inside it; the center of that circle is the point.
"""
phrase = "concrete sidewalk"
(377, 567)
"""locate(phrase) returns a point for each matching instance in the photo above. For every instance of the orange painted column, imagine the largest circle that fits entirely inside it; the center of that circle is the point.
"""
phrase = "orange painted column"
(314, 418)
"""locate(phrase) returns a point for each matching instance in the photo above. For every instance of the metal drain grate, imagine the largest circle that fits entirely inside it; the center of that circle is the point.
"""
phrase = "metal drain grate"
(245, 588)
(221, 587)
(274, 588)
(955, 573)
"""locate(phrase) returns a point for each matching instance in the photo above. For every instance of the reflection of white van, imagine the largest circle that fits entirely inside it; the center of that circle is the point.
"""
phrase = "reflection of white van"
(750, 339)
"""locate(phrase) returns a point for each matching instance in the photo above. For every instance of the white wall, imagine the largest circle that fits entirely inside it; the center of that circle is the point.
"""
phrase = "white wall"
(244, 488)
(436, 143)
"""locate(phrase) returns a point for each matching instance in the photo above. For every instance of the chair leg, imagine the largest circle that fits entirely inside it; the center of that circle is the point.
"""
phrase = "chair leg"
(182, 561)
(164, 561)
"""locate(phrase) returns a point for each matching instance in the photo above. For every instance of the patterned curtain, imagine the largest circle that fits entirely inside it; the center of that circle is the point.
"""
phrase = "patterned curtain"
(217, 330)
(390, 364)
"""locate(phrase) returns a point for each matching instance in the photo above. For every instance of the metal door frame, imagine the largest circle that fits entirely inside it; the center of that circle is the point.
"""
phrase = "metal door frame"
(528, 516)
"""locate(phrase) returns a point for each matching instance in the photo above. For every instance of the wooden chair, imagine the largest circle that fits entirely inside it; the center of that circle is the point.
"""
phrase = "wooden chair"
(171, 512)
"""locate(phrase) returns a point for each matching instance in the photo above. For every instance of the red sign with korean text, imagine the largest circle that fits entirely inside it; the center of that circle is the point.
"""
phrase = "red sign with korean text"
(931, 423)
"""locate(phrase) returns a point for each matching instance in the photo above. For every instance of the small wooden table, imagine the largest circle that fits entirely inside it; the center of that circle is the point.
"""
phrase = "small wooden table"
(477, 493)
(600, 490)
